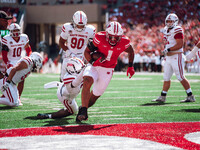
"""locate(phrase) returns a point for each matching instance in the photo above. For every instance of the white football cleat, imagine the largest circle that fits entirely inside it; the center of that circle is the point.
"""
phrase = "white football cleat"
(160, 99)
(188, 99)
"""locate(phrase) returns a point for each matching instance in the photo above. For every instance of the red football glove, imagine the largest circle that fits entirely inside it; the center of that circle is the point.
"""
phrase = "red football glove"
(130, 71)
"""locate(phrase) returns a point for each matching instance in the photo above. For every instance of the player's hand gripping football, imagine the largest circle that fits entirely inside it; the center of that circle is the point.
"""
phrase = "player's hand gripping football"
(5, 86)
(130, 72)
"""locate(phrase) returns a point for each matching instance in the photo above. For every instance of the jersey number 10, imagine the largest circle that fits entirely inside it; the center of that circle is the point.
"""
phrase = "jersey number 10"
(17, 52)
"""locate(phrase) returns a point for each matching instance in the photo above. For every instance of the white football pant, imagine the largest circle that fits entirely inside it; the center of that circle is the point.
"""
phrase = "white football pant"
(11, 94)
(68, 98)
(174, 64)
(101, 77)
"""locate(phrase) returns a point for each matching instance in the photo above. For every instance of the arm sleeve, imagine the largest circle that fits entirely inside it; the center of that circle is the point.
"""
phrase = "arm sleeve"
(5, 57)
(28, 50)
(178, 36)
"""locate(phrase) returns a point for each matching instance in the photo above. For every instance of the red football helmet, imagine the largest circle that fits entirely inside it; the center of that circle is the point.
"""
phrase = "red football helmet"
(114, 32)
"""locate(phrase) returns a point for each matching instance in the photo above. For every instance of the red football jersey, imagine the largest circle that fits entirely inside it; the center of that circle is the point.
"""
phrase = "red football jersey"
(110, 52)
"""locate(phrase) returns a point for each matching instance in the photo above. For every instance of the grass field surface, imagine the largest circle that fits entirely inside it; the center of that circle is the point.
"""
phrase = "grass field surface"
(125, 101)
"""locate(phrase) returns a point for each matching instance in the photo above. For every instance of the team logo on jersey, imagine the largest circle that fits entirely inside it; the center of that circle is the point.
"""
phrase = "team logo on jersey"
(70, 31)
(11, 42)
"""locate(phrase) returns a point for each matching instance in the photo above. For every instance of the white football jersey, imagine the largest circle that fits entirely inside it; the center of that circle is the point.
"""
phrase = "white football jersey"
(22, 74)
(15, 48)
(169, 37)
(76, 41)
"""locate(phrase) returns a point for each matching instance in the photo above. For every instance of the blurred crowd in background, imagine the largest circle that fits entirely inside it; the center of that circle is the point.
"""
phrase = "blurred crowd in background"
(142, 22)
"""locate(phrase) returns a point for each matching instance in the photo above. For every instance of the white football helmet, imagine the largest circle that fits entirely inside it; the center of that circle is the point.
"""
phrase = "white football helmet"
(114, 32)
(74, 66)
(171, 20)
(15, 30)
(37, 59)
(79, 21)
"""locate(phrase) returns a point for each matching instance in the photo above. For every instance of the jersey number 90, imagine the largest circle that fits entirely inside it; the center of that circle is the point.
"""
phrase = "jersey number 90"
(77, 43)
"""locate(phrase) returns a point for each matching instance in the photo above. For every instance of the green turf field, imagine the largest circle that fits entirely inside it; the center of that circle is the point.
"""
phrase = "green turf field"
(125, 101)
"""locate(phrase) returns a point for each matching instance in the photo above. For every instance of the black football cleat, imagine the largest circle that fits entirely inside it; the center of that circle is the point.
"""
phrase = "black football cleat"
(42, 116)
(82, 114)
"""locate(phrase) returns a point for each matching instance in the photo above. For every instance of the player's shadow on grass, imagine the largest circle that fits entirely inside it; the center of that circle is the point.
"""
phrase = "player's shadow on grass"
(6, 107)
(81, 128)
(190, 110)
(154, 104)
(51, 122)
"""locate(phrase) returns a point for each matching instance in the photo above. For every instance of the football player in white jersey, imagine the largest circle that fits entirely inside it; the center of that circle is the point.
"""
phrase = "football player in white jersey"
(16, 74)
(173, 35)
(195, 50)
(68, 90)
(12, 47)
(74, 38)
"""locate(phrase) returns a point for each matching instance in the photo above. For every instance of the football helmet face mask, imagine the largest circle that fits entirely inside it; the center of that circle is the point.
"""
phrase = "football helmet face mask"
(171, 20)
(74, 66)
(79, 21)
(114, 33)
(37, 60)
(15, 30)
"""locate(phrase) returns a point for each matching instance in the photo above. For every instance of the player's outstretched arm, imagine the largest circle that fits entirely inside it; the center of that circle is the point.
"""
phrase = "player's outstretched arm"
(130, 71)
(20, 66)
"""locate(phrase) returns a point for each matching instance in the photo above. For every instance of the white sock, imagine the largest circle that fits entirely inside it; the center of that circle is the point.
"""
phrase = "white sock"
(164, 92)
(189, 90)
(50, 115)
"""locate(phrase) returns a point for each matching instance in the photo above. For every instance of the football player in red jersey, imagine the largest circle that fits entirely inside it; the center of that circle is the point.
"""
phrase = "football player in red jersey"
(111, 43)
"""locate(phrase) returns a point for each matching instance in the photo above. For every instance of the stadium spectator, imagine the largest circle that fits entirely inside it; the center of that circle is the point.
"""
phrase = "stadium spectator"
(74, 38)
(173, 35)
(68, 90)
(12, 47)
(15, 75)
(110, 43)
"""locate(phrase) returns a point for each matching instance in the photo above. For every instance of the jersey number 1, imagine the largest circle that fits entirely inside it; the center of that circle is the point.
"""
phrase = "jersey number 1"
(17, 52)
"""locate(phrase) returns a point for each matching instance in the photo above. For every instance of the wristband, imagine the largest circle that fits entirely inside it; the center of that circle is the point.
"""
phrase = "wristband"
(130, 64)
(91, 61)
(168, 49)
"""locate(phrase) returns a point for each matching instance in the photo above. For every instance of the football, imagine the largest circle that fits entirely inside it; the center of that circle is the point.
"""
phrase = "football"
(97, 55)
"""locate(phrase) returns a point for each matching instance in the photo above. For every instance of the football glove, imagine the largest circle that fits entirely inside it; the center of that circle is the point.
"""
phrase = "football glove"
(5, 86)
(130, 71)
(165, 51)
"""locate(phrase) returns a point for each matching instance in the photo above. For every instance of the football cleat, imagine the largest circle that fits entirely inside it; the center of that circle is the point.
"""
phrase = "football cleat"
(42, 116)
(188, 99)
(82, 114)
(160, 99)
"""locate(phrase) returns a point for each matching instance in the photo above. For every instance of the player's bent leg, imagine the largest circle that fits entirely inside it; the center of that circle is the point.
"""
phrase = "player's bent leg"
(20, 88)
(93, 99)
(59, 114)
(11, 96)
(86, 94)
